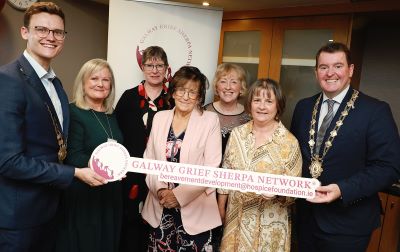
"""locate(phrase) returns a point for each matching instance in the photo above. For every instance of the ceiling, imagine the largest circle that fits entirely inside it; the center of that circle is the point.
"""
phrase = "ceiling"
(240, 5)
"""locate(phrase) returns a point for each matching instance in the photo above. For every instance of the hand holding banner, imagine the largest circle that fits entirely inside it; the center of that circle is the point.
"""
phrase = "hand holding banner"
(112, 161)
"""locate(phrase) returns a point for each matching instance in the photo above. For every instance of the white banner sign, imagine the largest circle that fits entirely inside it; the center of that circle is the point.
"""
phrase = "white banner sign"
(112, 161)
(189, 35)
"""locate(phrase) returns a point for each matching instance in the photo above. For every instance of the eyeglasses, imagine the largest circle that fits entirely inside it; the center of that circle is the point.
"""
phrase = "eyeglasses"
(180, 91)
(150, 67)
(43, 32)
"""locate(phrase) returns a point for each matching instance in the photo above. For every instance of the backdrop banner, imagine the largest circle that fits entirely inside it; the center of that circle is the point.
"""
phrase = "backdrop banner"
(188, 33)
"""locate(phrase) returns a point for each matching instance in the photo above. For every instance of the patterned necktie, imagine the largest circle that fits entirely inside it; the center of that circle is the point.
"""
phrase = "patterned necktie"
(325, 124)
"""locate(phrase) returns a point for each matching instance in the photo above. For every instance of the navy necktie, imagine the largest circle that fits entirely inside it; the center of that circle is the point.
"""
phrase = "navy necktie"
(61, 95)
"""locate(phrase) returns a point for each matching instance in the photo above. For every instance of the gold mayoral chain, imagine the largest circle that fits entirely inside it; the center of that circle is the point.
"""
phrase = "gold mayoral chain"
(316, 161)
(62, 145)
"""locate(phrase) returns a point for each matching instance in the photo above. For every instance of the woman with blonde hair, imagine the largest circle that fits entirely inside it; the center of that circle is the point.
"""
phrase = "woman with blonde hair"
(90, 218)
(229, 85)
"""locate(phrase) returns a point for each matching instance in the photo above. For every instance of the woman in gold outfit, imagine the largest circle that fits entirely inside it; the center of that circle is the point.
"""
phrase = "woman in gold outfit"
(260, 222)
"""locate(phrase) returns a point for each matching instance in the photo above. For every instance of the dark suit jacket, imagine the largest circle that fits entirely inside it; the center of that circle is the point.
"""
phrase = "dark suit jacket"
(30, 175)
(364, 159)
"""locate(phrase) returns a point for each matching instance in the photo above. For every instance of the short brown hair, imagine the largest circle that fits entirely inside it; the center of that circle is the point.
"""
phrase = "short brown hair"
(155, 52)
(334, 47)
(226, 68)
(190, 73)
(39, 7)
(269, 85)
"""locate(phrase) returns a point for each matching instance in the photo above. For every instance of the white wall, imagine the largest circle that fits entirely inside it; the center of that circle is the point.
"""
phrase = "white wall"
(188, 34)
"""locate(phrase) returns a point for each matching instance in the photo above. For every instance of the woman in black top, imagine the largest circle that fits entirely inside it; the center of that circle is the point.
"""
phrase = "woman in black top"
(135, 111)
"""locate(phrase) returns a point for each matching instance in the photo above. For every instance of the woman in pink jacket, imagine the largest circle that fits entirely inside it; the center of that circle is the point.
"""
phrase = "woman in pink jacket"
(182, 216)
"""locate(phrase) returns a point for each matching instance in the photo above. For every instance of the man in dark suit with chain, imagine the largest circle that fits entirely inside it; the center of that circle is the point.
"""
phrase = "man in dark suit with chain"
(349, 141)
(34, 122)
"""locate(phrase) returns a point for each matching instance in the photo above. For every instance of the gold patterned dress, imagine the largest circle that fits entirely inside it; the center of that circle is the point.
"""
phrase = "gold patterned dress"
(253, 223)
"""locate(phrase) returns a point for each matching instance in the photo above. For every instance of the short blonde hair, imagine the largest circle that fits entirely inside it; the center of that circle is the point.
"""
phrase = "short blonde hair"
(90, 67)
(226, 68)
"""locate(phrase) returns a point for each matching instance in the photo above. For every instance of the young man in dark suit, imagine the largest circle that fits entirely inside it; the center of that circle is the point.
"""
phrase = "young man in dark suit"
(34, 122)
(350, 143)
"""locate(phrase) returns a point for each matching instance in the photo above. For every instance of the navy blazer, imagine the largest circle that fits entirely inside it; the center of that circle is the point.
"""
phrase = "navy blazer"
(364, 159)
(30, 175)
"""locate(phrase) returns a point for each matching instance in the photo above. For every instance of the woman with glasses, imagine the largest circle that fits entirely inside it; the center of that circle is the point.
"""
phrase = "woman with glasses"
(182, 216)
(135, 111)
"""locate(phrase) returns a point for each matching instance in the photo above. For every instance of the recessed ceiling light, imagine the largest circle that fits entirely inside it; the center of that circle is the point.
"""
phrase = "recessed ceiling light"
(206, 4)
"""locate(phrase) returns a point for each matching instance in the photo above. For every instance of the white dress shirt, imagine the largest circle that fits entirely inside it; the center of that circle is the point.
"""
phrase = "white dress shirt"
(46, 77)
(324, 107)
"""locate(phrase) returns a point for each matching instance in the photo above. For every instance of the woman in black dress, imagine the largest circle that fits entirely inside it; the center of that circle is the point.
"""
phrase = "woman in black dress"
(135, 111)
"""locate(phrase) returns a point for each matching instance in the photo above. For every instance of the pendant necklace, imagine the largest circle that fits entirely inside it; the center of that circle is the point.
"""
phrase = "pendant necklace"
(109, 139)
(316, 168)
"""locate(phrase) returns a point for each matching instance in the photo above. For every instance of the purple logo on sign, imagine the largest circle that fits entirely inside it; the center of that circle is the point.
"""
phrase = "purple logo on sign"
(110, 160)
(102, 169)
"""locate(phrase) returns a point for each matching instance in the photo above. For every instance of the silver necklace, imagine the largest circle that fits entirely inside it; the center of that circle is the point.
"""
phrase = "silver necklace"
(109, 127)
